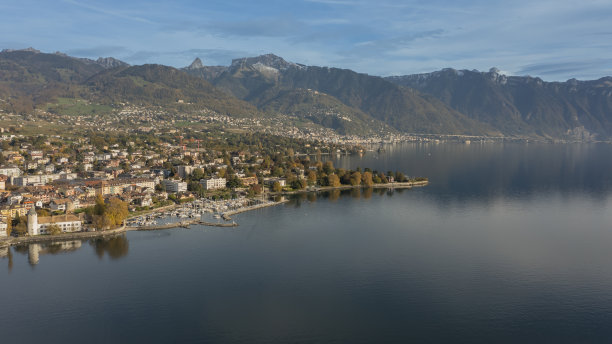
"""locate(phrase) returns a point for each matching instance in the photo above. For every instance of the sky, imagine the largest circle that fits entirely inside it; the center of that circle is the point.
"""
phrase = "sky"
(555, 40)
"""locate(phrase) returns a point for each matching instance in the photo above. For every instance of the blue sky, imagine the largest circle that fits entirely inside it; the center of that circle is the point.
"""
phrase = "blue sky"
(555, 40)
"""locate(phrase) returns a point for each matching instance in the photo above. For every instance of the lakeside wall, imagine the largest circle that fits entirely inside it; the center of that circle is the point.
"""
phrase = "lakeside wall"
(63, 237)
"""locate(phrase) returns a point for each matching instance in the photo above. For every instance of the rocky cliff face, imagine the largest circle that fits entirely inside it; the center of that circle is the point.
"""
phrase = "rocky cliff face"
(522, 105)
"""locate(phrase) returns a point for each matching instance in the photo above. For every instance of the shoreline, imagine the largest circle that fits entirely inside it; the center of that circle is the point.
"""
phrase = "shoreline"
(62, 237)
(226, 215)
(394, 185)
(123, 229)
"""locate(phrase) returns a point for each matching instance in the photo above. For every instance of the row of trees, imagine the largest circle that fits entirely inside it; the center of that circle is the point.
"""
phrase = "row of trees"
(325, 174)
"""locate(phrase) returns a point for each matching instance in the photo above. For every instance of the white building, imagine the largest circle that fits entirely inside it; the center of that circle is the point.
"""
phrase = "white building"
(40, 225)
(213, 183)
(174, 185)
(10, 171)
(37, 179)
(3, 230)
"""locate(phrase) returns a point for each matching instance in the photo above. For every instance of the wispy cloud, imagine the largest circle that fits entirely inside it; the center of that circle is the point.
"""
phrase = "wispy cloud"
(261, 27)
(557, 39)
(569, 67)
(113, 13)
(335, 2)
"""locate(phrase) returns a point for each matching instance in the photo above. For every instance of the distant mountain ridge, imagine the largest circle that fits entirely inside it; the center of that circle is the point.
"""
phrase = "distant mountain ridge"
(523, 105)
(258, 79)
(444, 102)
(31, 80)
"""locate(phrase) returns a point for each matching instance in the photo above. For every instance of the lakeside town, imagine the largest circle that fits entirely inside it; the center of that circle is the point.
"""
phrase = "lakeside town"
(54, 184)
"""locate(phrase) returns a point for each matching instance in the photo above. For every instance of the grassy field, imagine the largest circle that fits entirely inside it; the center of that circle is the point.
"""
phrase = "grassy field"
(75, 106)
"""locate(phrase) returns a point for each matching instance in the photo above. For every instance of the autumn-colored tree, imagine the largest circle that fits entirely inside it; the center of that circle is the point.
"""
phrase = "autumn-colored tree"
(312, 177)
(276, 187)
(328, 167)
(299, 184)
(355, 178)
(333, 180)
(100, 222)
(116, 211)
(366, 179)
(100, 205)
(256, 189)
(383, 178)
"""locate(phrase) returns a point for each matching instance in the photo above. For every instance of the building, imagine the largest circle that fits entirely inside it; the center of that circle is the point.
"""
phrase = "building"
(10, 171)
(38, 179)
(270, 181)
(186, 170)
(174, 186)
(63, 204)
(247, 181)
(213, 183)
(40, 225)
(3, 230)
(13, 211)
(3, 180)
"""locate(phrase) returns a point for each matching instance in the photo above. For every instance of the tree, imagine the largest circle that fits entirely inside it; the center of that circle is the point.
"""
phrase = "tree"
(256, 189)
(197, 174)
(276, 187)
(366, 179)
(399, 177)
(333, 180)
(328, 167)
(355, 178)
(196, 188)
(116, 211)
(19, 225)
(42, 212)
(234, 182)
(312, 177)
(54, 229)
(383, 178)
(100, 206)
(298, 184)
(100, 222)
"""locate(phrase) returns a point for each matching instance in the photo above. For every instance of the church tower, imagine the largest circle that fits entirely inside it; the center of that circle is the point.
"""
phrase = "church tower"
(32, 222)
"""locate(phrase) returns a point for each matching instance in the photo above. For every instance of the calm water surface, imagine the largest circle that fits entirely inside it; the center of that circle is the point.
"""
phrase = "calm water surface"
(509, 243)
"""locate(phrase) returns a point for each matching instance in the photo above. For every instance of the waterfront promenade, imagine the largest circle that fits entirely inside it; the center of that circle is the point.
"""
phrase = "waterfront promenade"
(117, 231)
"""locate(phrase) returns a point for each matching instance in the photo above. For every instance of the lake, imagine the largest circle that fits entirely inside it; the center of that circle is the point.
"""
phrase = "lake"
(510, 242)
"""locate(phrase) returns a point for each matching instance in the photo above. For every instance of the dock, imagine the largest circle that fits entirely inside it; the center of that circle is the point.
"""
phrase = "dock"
(182, 224)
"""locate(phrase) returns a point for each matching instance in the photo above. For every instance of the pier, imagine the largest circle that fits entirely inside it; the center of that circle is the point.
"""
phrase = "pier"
(183, 224)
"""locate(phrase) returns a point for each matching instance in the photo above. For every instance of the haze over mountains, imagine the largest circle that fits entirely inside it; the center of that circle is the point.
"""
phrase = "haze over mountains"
(443, 102)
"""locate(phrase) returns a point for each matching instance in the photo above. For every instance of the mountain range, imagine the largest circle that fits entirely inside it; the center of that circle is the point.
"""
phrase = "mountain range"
(443, 102)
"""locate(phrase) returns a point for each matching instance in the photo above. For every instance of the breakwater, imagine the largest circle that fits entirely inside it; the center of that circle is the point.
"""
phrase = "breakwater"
(184, 224)
(227, 214)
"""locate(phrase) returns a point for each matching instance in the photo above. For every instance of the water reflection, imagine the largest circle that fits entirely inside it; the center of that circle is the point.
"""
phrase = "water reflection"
(489, 171)
(116, 247)
(333, 195)
(5, 253)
